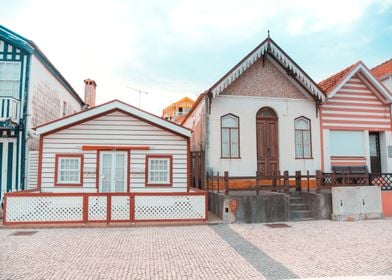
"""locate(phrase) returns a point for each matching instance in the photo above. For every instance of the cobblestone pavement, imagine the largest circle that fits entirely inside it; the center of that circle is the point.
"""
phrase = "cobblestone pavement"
(255, 251)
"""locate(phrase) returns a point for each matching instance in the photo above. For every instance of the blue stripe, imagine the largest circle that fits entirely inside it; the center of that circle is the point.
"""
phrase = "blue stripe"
(1, 166)
(9, 171)
(8, 108)
(2, 109)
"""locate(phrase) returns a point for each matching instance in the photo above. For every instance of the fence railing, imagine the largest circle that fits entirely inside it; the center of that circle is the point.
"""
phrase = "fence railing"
(298, 181)
(9, 109)
(277, 182)
(53, 208)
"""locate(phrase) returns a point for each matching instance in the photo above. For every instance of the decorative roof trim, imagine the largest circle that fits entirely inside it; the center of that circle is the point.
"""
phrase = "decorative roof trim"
(268, 46)
(361, 67)
(105, 108)
(31, 48)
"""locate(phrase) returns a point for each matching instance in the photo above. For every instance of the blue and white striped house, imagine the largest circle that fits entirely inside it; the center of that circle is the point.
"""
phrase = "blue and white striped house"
(32, 92)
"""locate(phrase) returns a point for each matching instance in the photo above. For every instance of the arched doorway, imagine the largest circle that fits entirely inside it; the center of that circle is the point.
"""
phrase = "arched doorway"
(267, 141)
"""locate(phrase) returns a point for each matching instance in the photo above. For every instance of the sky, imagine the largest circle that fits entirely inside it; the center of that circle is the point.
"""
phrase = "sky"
(171, 49)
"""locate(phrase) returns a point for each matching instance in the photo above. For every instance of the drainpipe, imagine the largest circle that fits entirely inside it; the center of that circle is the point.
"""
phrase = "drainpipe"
(207, 131)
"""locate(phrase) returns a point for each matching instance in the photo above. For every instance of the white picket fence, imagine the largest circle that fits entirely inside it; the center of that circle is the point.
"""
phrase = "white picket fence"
(39, 208)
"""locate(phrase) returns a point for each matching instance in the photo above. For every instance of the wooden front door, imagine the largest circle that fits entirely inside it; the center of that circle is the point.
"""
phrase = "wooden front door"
(267, 142)
(375, 157)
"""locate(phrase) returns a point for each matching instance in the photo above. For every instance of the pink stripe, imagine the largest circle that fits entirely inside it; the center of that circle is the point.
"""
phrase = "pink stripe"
(353, 115)
(380, 110)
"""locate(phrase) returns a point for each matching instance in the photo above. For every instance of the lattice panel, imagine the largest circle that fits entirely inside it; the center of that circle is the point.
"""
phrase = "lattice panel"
(120, 208)
(97, 208)
(382, 180)
(167, 207)
(44, 209)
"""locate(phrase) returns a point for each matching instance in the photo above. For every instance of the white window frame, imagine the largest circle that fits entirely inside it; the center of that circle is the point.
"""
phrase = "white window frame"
(169, 164)
(302, 133)
(6, 77)
(59, 159)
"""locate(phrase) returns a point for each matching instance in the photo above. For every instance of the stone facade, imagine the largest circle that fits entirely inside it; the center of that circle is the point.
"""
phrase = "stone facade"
(264, 80)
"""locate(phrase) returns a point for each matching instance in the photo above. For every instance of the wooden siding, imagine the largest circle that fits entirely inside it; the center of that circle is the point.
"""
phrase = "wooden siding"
(33, 170)
(355, 107)
(115, 129)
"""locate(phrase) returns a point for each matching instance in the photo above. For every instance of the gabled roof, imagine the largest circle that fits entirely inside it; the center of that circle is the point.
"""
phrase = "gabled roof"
(268, 47)
(109, 107)
(334, 83)
(329, 83)
(31, 48)
(383, 70)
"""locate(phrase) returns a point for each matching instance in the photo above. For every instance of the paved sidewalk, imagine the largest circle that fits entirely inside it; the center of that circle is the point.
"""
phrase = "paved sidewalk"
(254, 251)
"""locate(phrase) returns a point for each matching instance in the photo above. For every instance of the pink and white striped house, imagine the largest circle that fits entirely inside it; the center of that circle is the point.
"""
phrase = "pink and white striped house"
(356, 120)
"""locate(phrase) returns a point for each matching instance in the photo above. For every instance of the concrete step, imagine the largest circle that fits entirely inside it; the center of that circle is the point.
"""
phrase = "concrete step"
(299, 215)
(303, 219)
(298, 206)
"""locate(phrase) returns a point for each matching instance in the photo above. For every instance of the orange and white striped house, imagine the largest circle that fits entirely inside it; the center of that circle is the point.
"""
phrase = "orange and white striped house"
(356, 120)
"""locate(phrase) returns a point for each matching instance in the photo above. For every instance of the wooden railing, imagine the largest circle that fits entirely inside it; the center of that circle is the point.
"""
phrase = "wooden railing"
(277, 182)
(9, 109)
(298, 181)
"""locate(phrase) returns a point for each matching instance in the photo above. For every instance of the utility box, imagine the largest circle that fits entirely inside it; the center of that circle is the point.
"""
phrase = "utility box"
(356, 203)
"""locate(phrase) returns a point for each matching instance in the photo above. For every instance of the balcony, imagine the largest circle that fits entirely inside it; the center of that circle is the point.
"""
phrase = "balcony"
(9, 109)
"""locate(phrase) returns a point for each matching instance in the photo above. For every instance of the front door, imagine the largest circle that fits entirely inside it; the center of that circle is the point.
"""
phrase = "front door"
(113, 171)
(8, 161)
(375, 157)
(267, 142)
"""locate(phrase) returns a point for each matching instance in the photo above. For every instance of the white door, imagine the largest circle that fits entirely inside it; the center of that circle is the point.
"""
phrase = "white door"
(113, 172)
(8, 166)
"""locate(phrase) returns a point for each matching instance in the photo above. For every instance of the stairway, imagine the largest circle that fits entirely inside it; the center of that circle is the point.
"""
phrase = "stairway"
(298, 209)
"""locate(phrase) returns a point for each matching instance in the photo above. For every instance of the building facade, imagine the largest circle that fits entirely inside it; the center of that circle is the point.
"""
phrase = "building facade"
(177, 111)
(32, 91)
(356, 120)
(262, 116)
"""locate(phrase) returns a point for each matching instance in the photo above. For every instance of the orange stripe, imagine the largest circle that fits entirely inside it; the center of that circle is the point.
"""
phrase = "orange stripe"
(93, 148)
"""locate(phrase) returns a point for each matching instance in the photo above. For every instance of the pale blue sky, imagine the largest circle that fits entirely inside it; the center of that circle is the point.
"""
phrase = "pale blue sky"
(176, 48)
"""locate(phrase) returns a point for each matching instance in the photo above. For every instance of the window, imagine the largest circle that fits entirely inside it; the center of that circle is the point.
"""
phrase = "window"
(159, 170)
(347, 143)
(230, 136)
(69, 170)
(9, 78)
(303, 138)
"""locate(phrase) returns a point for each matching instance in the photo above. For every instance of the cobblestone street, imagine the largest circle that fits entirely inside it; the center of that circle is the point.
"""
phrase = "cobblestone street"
(252, 251)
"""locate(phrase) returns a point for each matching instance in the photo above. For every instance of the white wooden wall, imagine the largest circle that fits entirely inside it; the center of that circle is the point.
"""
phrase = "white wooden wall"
(32, 170)
(115, 129)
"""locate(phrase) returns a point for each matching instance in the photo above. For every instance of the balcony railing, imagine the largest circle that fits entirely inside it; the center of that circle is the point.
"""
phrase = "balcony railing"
(9, 109)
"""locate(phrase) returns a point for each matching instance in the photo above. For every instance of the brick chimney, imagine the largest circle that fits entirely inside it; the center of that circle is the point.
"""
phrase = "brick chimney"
(89, 92)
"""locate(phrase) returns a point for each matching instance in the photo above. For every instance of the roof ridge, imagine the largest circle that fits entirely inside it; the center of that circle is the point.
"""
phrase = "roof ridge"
(329, 83)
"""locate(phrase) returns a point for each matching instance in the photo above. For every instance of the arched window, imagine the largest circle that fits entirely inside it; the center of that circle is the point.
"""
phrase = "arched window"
(230, 136)
(303, 138)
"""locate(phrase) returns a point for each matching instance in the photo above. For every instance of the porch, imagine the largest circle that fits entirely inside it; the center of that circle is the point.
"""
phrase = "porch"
(287, 197)
(33, 207)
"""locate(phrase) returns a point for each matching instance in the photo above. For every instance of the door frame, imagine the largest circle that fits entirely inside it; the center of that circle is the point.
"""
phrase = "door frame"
(127, 168)
(378, 150)
(272, 118)
(4, 165)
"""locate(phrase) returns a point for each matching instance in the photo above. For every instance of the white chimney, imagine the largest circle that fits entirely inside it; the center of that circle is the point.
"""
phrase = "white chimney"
(89, 92)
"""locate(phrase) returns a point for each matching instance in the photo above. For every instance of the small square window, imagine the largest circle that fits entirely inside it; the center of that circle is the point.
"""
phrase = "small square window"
(69, 170)
(159, 170)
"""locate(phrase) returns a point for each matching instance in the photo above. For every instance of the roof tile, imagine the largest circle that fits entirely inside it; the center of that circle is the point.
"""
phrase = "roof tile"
(383, 69)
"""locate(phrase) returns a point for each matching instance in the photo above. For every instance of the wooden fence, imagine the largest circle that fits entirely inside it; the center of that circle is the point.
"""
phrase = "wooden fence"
(284, 182)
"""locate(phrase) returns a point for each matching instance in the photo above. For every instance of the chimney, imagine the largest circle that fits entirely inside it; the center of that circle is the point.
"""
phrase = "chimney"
(89, 92)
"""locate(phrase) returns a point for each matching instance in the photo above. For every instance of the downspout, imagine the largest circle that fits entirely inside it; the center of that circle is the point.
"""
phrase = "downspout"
(207, 129)
(24, 126)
